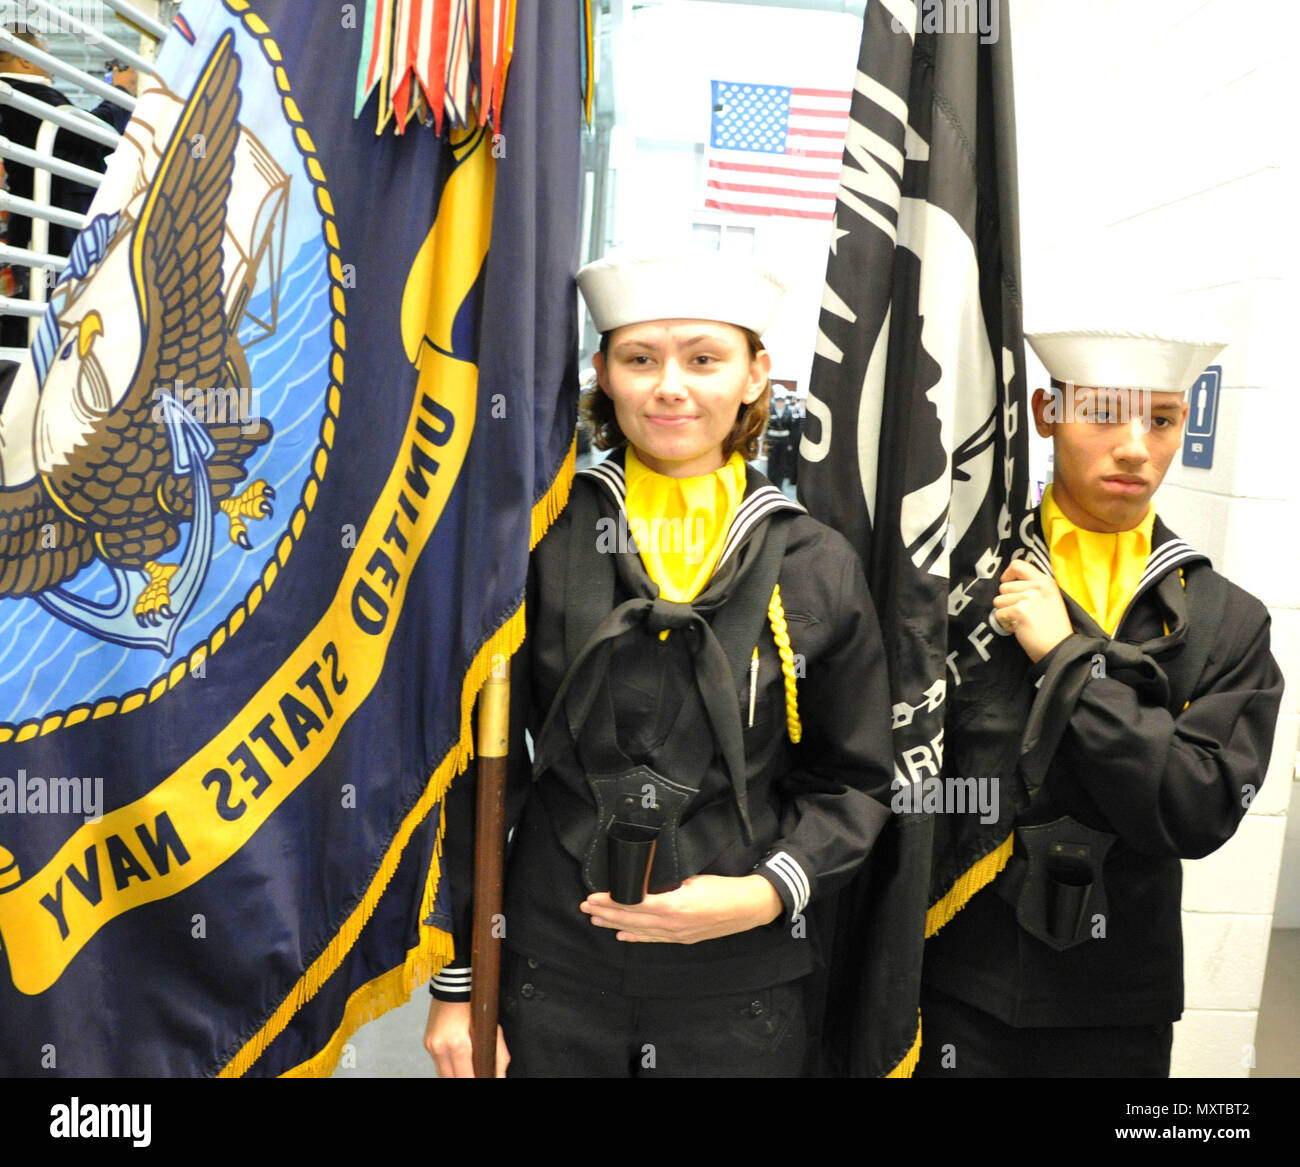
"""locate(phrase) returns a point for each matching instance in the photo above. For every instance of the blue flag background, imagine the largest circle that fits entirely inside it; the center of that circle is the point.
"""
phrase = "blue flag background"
(301, 405)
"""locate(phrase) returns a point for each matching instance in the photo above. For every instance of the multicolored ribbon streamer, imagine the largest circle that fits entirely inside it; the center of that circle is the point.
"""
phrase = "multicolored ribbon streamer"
(440, 61)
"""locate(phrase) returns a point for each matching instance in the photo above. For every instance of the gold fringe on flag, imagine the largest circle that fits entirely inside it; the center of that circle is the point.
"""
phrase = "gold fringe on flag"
(434, 947)
(371, 1000)
(979, 875)
(556, 498)
(393, 988)
(325, 965)
(907, 1066)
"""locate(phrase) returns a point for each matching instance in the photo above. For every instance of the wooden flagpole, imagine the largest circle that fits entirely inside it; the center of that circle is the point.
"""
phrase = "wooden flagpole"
(489, 848)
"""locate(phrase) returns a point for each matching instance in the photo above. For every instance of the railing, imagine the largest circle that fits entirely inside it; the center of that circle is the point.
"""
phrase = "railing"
(38, 258)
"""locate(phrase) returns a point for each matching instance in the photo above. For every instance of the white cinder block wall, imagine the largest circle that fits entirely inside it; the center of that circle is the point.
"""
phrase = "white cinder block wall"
(1155, 158)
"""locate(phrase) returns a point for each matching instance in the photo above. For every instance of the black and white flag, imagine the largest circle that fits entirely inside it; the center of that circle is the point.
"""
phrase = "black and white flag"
(915, 448)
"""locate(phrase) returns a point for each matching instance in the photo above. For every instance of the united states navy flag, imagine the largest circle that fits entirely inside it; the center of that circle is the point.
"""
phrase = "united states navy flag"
(271, 471)
(914, 448)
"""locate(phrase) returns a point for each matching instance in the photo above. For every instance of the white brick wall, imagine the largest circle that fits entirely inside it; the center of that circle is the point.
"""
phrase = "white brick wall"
(1287, 912)
(1224, 956)
(1214, 1043)
(1241, 876)
(1147, 165)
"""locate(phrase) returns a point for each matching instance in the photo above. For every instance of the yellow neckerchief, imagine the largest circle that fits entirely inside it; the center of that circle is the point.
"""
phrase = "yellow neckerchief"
(1099, 569)
(680, 524)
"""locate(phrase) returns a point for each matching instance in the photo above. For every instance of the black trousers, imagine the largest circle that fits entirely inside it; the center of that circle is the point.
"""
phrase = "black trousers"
(960, 1041)
(557, 1026)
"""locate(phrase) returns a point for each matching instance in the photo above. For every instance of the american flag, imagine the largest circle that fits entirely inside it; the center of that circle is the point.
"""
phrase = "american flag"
(775, 150)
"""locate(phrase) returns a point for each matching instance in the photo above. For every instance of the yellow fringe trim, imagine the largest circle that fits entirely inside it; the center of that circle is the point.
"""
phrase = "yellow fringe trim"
(505, 640)
(981, 873)
(393, 988)
(433, 949)
(907, 1066)
(370, 1001)
(324, 966)
(781, 634)
(556, 498)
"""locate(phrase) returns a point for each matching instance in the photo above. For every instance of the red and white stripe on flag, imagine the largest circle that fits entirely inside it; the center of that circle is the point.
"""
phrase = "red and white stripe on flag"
(458, 43)
(774, 149)
(444, 60)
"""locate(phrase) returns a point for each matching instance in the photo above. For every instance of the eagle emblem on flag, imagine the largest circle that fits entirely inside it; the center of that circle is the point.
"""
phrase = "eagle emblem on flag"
(118, 464)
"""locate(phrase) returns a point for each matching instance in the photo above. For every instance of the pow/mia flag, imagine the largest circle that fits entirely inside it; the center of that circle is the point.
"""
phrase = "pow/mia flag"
(915, 449)
(269, 477)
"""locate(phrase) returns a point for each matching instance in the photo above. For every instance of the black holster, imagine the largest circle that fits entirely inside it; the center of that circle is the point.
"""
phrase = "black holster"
(639, 797)
(1055, 881)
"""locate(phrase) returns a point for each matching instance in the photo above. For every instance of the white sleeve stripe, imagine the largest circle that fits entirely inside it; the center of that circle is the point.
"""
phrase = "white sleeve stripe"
(794, 891)
(793, 875)
(803, 879)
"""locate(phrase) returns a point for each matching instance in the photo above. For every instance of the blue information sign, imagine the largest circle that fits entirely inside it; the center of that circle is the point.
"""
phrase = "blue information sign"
(1202, 414)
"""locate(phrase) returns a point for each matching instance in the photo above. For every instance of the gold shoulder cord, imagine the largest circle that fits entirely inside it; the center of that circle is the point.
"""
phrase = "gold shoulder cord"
(781, 634)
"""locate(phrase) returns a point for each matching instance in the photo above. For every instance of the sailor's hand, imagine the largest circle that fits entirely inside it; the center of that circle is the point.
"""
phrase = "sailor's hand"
(703, 908)
(1030, 606)
(447, 1038)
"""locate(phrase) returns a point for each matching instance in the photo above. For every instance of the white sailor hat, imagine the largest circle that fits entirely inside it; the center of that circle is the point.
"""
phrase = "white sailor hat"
(1124, 360)
(695, 285)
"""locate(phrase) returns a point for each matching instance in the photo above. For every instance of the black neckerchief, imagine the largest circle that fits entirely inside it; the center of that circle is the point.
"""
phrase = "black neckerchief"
(1072, 661)
(746, 545)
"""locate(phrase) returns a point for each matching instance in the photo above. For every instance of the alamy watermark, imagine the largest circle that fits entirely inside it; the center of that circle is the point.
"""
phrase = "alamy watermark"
(75, 1119)
(229, 405)
(32, 794)
(656, 536)
(956, 16)
(1068, 403)
(935, 795)
(61, 18)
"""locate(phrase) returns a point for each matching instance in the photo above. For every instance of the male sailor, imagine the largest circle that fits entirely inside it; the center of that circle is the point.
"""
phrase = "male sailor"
(1149, 702)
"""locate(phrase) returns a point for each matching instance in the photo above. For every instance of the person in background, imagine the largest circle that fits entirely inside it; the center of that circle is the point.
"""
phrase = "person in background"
(22, 129)
(120, 76)
(782, 441)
